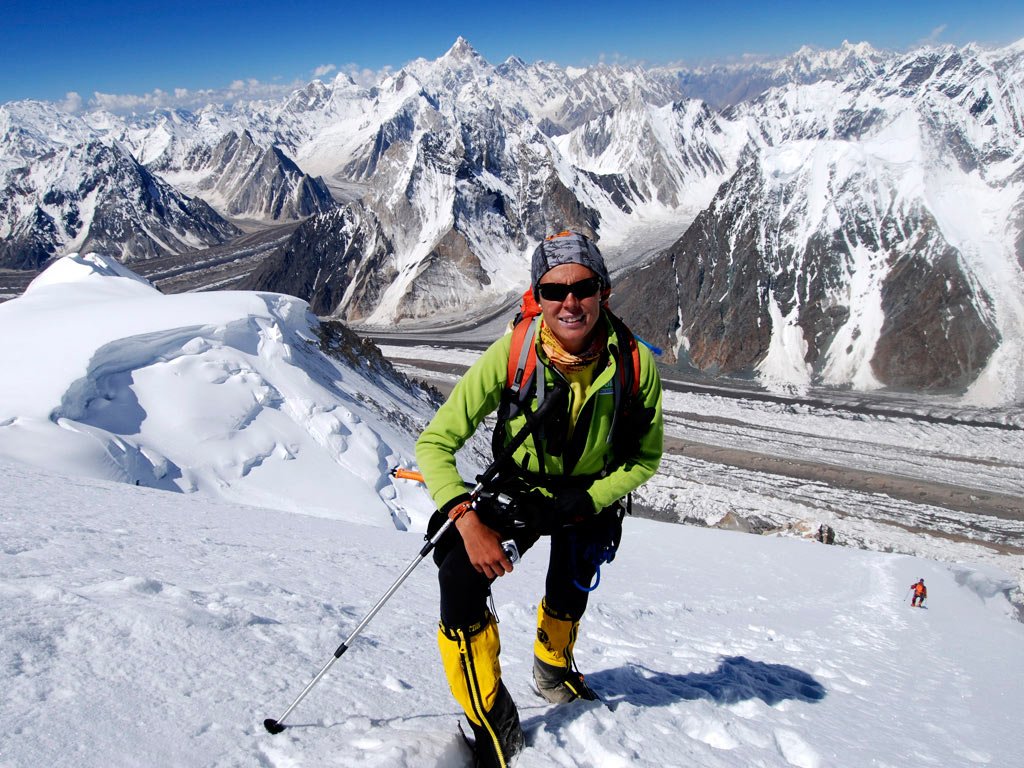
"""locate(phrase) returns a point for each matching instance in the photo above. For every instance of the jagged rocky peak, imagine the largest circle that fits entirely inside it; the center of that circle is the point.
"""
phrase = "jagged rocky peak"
(340, 262)
(512, 63)
(449, 76)
(816, 63)
(312, 97)
(154, 221)
(96, 195)
(241, 178)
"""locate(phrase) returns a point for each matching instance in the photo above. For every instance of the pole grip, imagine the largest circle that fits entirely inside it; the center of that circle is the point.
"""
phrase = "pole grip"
(407, 474)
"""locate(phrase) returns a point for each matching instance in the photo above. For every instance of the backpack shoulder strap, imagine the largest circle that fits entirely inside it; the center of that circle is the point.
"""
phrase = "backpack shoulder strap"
(626, 384)
(521, 379)
(629, 355)
(522, 356)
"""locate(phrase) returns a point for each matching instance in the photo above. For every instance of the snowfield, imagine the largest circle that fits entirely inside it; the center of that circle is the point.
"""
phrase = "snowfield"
(195, 510)
(150, 628)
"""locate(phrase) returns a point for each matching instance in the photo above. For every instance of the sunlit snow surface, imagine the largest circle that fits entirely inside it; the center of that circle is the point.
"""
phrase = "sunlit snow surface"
(150, 628)
(147, 627)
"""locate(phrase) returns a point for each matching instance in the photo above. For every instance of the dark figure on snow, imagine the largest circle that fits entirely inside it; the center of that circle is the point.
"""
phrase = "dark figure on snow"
(826, 534)
(568, 483)
(920, 593)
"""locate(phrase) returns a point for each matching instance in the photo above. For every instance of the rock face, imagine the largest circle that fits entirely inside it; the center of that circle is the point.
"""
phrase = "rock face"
(937, 332)
(888, 302)
(249, 181)
(336, 261)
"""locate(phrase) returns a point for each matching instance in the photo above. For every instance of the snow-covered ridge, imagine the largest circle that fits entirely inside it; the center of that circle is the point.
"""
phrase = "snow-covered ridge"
(226, 394)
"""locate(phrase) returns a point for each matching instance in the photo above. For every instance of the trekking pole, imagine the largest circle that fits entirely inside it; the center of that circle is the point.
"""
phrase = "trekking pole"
(532, 422)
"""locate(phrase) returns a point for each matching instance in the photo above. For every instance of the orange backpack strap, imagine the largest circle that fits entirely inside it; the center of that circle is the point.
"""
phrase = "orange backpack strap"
(634, 356)
(521, 373)
(522, 356)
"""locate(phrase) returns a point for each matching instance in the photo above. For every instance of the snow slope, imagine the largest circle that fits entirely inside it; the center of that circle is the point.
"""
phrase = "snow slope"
(160, 625)
(149, 628)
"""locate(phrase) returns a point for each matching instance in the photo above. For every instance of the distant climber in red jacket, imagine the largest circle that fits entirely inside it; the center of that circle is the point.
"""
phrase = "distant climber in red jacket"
(920, 593)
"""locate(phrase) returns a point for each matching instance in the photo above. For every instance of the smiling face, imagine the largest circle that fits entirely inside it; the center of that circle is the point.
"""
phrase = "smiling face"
(572, 320)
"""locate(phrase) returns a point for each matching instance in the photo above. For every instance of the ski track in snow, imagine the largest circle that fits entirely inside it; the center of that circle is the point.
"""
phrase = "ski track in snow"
(146, 628)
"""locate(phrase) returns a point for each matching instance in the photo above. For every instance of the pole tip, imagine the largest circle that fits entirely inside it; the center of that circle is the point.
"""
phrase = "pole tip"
(272, 725)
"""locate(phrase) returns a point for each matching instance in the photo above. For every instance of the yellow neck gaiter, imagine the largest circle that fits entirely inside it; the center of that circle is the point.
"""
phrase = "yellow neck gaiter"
(567, 362)
(578, 370)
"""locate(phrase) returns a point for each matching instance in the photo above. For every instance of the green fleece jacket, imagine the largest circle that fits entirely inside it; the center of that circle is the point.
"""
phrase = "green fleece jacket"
(478, 394)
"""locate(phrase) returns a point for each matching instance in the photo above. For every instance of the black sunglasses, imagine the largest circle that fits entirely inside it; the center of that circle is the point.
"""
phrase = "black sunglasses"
(582, 289)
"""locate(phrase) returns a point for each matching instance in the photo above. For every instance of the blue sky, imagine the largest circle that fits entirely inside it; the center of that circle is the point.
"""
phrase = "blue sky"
(147, 50)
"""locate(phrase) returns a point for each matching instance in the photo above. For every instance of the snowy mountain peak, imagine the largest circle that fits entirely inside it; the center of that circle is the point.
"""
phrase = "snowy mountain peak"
(862, 48)
(30, 128)
(315, 95)
(845, 50)
(460, 65)
(461, 51)
(1013, 48)
(343, 82)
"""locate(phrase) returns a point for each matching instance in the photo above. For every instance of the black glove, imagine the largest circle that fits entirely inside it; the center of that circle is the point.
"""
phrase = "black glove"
(547, 514)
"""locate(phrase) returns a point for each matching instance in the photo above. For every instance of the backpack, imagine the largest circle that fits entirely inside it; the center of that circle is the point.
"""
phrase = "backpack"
(521, 378)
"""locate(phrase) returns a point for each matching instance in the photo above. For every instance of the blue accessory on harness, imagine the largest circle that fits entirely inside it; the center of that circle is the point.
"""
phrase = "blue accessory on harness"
(604, 535)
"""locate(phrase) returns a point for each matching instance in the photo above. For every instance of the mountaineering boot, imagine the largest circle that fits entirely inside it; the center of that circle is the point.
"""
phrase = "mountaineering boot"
(501, 738)
(560, 685)
(470, 657)
(554, 669)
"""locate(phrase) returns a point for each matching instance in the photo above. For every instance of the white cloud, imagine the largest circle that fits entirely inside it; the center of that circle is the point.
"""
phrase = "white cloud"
(616, 59)
(116, 102)
(933, 37)
(242, 89)
(72, 102)
(249, 89)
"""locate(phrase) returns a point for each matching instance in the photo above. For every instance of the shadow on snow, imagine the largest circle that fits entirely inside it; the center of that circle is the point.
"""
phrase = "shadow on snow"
(736, 679)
